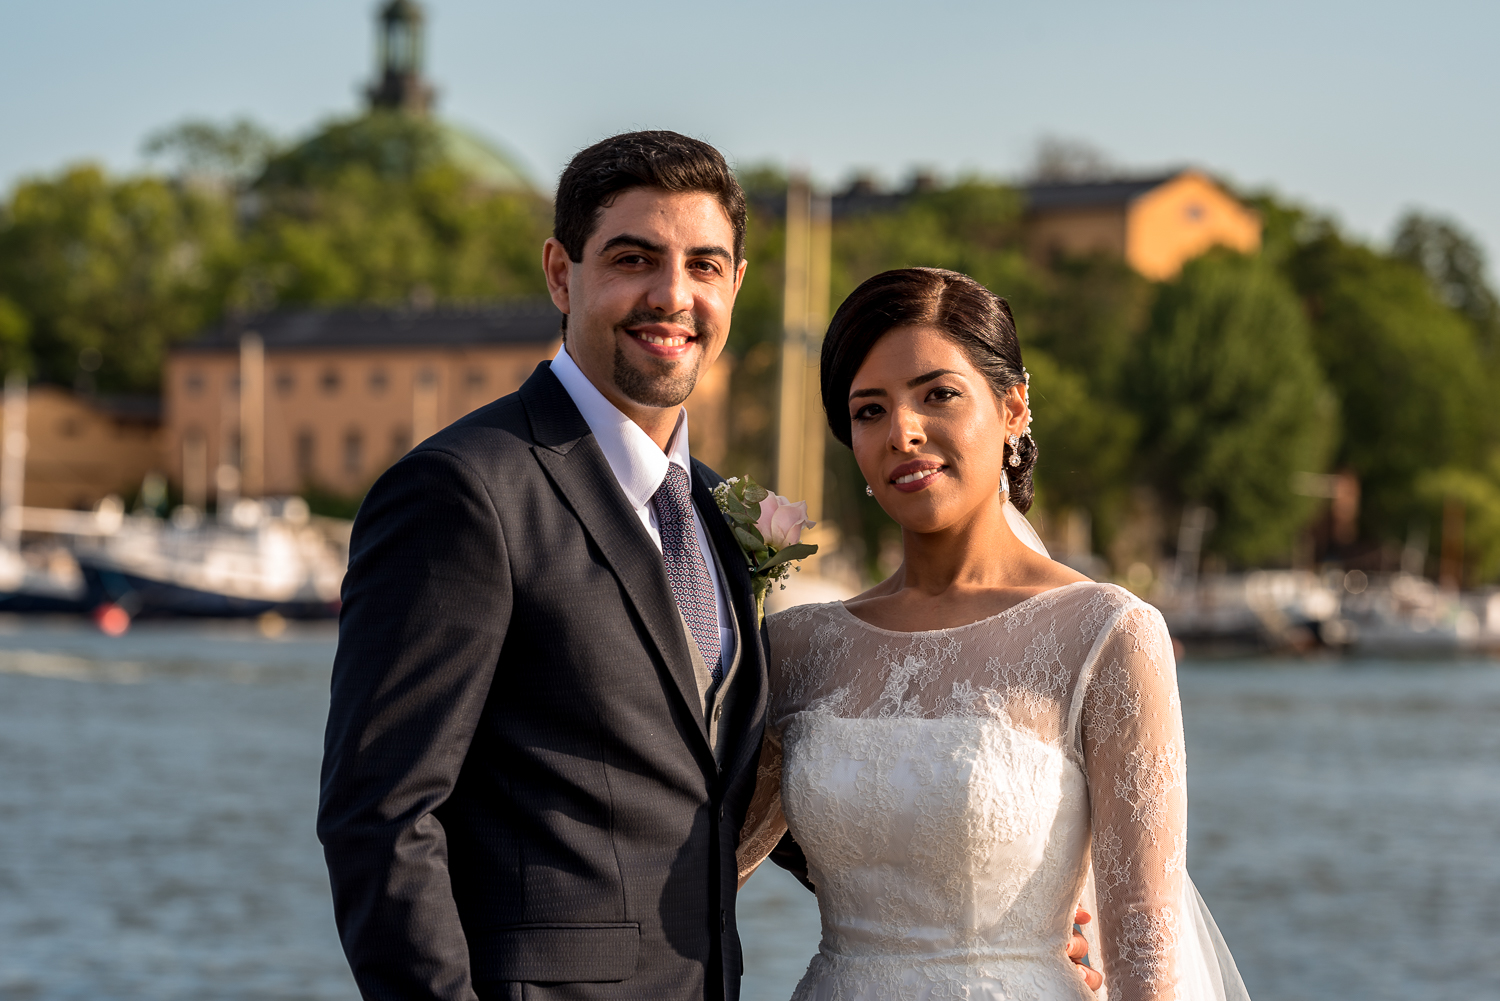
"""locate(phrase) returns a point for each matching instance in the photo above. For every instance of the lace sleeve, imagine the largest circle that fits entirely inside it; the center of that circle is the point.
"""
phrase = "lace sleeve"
(1133, 752)
(764, 821)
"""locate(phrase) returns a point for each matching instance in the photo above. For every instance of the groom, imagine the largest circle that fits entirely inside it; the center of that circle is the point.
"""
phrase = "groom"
(550, 685)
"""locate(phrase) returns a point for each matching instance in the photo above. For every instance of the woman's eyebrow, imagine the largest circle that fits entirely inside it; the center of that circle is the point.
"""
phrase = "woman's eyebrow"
(858, 393)
(928, 377)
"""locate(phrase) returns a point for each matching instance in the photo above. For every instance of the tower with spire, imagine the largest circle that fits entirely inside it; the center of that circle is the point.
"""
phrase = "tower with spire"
(398, 82)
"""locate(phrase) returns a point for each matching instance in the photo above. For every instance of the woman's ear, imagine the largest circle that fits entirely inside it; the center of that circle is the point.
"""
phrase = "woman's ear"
(1017, 406)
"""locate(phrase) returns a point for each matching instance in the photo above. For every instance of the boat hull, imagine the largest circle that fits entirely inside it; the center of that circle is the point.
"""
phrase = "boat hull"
(144, 598)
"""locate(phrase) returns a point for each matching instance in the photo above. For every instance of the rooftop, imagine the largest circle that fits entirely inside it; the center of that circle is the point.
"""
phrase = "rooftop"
(1091, 194)
(525, 321)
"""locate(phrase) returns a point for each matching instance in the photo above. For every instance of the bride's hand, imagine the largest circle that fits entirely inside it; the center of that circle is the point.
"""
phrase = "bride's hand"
(1078, 949)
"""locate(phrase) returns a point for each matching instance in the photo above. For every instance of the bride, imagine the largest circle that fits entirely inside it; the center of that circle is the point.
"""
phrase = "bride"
(987, 739)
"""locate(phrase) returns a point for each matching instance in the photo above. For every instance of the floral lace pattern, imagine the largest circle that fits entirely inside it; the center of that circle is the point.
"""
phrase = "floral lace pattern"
(952, 788)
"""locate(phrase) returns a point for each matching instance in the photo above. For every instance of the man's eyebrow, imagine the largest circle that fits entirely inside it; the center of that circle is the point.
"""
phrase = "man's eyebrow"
(719, 252)
(628, 240)
(928, 377)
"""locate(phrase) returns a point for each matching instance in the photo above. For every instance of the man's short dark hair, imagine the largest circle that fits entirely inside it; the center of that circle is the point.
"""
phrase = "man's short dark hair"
(665, 160)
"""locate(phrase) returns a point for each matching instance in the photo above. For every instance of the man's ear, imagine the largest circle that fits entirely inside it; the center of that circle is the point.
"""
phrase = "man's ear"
(558, 268)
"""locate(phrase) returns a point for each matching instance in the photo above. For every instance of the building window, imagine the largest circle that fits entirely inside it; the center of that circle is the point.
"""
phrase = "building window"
(330, 381)
(193, 383)
(285, 382)
(378, 381)
(474, 378)
(234, 383)
(307, 453)
(1195, 212)
(400, 442)
(69, 427)
(353, 453)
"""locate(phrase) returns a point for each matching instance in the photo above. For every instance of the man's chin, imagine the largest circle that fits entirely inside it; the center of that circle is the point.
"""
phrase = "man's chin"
(661, 383)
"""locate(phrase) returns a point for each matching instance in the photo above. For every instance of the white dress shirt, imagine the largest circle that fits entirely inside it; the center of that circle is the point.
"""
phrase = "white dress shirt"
(640, 467)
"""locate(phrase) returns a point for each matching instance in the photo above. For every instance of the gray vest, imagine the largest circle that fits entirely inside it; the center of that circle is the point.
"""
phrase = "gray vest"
(716, 699)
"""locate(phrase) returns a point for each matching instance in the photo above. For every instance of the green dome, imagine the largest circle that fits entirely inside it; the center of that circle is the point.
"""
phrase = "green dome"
(396, 146)
(482, 159)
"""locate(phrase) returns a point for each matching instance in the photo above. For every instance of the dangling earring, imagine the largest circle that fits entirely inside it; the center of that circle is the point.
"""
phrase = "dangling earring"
(1014, 440)
(1004, 483)
(869, 490)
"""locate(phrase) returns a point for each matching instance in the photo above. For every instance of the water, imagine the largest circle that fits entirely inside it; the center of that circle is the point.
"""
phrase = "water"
(157, 797)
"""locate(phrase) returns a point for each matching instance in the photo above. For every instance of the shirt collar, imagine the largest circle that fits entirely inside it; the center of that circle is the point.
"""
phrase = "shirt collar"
(638, 464)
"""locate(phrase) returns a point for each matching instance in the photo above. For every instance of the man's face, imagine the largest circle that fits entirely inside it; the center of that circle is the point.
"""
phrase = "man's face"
(648, 306)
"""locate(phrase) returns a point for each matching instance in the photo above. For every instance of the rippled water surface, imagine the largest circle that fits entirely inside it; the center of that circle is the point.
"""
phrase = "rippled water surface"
(157, 796)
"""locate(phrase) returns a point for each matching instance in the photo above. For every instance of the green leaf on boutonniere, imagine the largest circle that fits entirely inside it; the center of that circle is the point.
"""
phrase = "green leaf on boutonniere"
(733, 504)
(748, 538)
(755, 493)
(800, 551)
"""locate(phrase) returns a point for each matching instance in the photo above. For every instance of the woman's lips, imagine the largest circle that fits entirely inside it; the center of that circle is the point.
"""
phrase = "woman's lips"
(914, 476)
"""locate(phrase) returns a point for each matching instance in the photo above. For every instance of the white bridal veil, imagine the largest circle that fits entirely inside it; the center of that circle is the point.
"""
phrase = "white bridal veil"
(1206, 970)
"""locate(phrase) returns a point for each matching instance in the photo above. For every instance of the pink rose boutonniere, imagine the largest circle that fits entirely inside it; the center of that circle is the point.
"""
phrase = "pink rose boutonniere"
(768, 529)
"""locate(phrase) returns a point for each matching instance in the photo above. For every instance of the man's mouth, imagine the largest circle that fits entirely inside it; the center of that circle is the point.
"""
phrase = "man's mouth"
(667, 342)
(666, 339)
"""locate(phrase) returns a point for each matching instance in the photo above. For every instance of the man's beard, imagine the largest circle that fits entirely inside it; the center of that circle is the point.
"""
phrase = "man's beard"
(665, 384)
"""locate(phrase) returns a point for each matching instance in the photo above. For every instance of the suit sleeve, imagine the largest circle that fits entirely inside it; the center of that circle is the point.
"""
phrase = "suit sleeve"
(427, 600)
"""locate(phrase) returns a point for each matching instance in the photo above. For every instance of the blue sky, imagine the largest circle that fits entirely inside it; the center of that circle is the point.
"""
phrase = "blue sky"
(1361, 109)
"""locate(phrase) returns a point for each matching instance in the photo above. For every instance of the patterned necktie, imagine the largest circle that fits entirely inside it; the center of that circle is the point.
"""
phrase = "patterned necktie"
(688, 574)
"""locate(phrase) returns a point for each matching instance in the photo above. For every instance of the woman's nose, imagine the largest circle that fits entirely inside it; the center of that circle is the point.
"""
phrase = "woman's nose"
(906, 431)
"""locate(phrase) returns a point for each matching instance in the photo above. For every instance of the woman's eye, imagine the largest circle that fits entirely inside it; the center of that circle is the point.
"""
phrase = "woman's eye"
(868, 411)
(943, 393)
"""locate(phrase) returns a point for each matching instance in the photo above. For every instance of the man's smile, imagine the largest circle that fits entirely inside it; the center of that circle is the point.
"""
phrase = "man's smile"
(665, 340)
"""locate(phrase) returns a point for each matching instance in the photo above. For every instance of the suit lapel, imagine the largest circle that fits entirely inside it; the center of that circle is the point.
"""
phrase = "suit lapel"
(567, 451)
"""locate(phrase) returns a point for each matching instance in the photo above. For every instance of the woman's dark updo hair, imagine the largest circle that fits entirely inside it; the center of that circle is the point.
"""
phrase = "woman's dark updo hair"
(972, 316)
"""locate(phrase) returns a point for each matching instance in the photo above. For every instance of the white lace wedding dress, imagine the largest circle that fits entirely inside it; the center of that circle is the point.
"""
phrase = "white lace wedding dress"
(958, 791)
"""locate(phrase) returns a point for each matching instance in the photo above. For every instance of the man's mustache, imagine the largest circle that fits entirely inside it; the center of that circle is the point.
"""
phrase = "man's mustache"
(641, 317)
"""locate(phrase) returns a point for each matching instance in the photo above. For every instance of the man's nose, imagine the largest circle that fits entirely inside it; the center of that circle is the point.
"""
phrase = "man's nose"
(671, 292)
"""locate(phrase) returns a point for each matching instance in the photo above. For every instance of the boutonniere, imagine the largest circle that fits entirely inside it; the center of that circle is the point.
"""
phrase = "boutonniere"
(768, 529)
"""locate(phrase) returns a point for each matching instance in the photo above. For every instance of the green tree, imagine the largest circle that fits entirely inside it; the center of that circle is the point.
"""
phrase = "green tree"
(1454, 263)
(1413, 390)
(1086, 440)
(15, 338)
(236, 152)
(1478, 490)
(120, 267)
(1232, 402)
(359, 237)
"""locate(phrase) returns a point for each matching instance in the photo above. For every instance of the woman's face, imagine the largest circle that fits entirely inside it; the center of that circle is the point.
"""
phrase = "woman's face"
(927, 431)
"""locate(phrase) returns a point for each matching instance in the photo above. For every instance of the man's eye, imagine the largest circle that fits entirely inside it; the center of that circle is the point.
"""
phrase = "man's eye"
(631, 259)
(708, 267)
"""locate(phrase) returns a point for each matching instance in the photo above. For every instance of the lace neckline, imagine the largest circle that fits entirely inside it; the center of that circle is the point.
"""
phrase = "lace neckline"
(966, 625)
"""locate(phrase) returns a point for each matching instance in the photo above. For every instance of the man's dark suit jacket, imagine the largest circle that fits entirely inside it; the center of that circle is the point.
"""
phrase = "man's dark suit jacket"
(519, 799)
